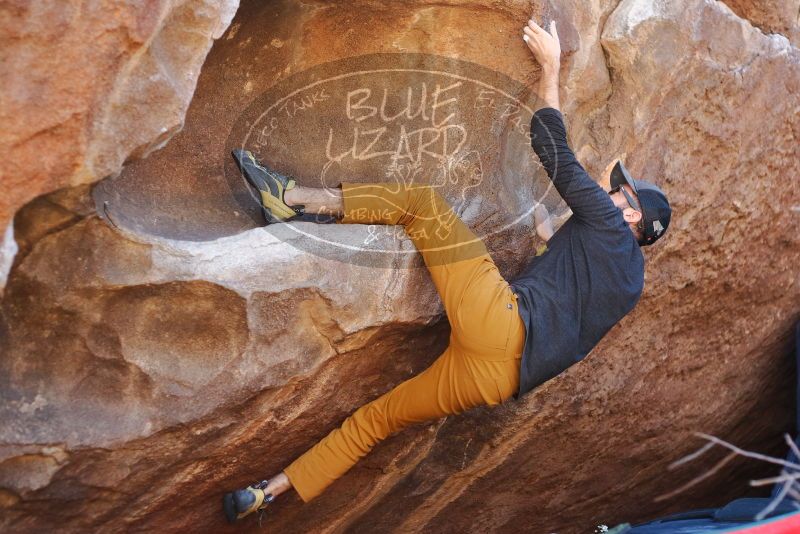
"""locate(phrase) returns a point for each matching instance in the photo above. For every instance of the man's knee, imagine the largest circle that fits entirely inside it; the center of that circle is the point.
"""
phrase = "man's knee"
(375, 419)
(428, 204)
(428, 197)
(411, 403)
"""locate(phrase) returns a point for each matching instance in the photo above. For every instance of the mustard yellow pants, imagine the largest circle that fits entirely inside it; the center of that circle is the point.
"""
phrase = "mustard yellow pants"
(479, 367)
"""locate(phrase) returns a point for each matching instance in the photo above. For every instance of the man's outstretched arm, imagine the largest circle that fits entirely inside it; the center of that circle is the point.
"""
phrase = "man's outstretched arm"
(546, 48)
(587, 200)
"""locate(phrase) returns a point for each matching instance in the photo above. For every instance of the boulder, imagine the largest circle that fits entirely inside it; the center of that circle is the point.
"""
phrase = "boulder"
(161, 347)
(87, 87)
(771, 16)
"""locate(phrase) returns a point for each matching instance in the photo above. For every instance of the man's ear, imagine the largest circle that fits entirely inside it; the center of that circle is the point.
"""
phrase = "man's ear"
(631, 215)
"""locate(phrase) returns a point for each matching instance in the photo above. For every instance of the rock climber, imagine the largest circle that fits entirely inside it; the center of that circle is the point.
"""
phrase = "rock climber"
(506, 337)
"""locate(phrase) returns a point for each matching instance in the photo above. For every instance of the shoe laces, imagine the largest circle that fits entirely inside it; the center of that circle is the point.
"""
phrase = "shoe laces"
(268, 498)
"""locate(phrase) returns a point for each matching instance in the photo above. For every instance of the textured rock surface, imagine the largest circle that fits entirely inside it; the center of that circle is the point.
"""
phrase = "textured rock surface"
(772, 16)
(86, 87)
(145, 363)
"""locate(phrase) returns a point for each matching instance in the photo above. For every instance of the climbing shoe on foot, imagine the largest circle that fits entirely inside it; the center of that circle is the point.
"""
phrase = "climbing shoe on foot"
(240, 503)
(270, 184)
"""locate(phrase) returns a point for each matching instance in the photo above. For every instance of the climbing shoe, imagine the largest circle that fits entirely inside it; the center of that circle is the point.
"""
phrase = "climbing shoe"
(270, 184)
(240, 503)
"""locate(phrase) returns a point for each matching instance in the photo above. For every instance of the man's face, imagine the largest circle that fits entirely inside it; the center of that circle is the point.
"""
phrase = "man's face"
(631, 214)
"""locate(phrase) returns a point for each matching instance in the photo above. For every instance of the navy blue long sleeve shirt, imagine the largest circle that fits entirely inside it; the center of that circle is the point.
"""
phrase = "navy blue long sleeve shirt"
(591, 275)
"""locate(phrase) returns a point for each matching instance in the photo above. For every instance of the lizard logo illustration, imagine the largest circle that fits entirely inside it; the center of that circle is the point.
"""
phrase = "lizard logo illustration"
(407, 119)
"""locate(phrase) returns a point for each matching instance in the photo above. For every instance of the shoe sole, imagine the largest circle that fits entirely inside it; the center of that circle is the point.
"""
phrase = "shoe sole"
(238, 157)
(272, 202)
(229, 507)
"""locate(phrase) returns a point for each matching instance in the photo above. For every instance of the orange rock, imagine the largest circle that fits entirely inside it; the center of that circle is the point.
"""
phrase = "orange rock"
(165, 348)
(86, 88)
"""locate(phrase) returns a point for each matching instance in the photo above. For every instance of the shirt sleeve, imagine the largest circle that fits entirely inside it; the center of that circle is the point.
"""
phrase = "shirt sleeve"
(589, 202)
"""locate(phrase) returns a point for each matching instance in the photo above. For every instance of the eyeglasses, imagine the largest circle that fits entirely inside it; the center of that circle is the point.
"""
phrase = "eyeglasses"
(631, 202)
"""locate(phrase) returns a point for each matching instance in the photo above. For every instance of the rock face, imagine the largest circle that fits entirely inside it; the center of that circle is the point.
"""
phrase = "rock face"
(88, 87)
(773, 16)
(160, 347)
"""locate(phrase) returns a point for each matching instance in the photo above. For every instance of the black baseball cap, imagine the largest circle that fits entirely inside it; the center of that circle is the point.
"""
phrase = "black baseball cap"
(656, 212)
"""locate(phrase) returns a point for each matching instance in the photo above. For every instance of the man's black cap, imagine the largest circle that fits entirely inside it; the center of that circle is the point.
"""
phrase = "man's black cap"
(656, 212)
